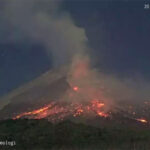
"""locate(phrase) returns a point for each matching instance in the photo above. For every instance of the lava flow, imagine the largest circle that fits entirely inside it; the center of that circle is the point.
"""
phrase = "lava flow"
(58, 111)
(142, 120)
(34, 112)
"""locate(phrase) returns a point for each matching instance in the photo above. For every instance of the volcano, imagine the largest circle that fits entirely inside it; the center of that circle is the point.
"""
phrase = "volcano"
(41, 98)
(57, 95)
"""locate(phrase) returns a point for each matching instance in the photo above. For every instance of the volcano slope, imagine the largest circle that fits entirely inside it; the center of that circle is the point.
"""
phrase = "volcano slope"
(53, 97)
(45, 97)
(40, 102)
(37, 93)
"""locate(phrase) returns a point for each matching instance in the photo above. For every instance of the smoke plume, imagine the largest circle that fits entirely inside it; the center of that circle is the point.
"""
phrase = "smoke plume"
(45, 22)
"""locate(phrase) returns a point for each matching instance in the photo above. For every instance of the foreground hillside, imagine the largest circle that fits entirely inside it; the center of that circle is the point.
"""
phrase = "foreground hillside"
(42, 135)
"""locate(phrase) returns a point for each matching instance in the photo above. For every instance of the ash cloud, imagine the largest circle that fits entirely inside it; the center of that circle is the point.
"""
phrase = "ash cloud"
(45, 22)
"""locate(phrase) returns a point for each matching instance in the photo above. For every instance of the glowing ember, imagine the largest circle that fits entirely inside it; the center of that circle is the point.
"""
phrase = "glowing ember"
(142, 120)
(96, 103)
(102, 114)
(75, 88)
(78, 112)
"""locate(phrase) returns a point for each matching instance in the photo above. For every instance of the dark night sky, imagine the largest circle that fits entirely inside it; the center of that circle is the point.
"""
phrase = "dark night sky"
(118, 33)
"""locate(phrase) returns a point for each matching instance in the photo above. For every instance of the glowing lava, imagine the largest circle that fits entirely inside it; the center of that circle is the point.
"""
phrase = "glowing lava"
(75, 88)
(142, 120)
(56, 111)
(102, 114)
(34, 112)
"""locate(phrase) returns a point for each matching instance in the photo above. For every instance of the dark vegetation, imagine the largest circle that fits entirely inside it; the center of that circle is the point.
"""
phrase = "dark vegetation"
(43, 135)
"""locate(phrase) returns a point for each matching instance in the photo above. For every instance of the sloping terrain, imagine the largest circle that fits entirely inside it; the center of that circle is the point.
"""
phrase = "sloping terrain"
(48, 87)
(42, 98)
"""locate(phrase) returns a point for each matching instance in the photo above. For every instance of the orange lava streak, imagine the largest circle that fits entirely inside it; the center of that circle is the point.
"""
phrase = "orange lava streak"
(96, 103)
(142, 120)
(102, 114)
(34, 112)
